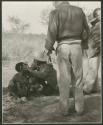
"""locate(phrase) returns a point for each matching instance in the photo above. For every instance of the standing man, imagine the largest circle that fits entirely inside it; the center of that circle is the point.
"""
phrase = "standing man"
(93, 52)
(66, 26)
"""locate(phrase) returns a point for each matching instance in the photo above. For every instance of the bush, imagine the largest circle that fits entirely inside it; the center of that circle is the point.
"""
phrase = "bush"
(20, 46)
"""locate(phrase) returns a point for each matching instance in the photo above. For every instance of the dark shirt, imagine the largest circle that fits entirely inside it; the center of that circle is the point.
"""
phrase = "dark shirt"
(66, 22)
(47, 73)
(94, 41)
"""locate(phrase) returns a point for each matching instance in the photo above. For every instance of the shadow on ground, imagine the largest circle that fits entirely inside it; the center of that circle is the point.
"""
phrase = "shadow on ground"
(44, 110)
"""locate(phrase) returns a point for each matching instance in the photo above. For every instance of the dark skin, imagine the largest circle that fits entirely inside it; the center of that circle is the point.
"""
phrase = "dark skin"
(44, 73)
(19, 84)
(36, 84)
(26, 84)
(34, 69)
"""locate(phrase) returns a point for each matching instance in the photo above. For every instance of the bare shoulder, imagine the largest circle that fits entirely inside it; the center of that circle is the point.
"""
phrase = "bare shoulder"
(16, 77)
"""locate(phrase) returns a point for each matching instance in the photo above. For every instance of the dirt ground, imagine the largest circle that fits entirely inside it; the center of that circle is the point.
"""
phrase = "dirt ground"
(44, 110)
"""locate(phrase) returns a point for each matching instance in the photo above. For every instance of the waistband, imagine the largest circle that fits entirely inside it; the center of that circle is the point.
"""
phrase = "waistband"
(69, 42)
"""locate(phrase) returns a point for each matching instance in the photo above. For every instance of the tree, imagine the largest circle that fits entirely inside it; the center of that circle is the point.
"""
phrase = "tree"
(45, 16)
(17, 25)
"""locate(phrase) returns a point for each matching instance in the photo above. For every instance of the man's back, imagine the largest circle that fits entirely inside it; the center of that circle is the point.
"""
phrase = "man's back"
(70, 21)
(66, 22)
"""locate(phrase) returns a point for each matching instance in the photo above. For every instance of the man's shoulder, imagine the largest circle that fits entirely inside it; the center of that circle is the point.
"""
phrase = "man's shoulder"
(53, 12)
(76, 8)
(13, 79)
(17, 76)
(71, 7)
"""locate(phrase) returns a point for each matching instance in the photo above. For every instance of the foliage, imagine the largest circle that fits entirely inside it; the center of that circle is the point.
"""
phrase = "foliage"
(20, 46)
(45, 16)
(17, 25)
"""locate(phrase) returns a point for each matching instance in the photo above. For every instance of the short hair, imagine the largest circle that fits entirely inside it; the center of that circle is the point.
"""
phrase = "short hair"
(95, 12)
(19, 66)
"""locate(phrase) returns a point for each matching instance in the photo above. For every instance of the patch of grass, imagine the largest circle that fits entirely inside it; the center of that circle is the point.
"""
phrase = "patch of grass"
(20, 45)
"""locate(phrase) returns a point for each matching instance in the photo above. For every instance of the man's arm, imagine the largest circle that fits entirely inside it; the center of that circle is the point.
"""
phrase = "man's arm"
(40, 74)
(85, 25)
(52, 31)
(85, 33)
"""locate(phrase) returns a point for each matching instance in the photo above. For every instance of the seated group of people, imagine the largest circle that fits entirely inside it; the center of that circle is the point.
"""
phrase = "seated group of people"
(38, 79)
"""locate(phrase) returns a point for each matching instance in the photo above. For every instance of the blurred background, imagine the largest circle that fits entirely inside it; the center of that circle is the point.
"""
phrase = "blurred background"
(24, 28)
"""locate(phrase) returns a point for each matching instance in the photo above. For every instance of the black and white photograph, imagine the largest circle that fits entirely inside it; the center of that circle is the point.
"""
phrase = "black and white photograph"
(51, 62)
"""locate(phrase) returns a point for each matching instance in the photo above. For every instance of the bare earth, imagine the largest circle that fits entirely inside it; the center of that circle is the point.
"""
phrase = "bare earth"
(44, 110)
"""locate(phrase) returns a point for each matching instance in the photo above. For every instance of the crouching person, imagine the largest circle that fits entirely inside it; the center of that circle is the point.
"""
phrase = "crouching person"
(19, 85)
(45, 74)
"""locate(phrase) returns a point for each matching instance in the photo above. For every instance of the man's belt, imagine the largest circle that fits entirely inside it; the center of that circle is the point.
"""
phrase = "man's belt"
(68, 38)
(69, 42)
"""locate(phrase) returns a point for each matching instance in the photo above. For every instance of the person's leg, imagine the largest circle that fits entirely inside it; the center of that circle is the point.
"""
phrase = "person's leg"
(97, 84)
(72, 88)
(92, 75)
(76, 58)
(64, 76)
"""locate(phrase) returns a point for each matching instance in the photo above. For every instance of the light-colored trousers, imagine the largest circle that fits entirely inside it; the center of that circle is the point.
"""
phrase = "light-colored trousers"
(91, 81)
(69, 59)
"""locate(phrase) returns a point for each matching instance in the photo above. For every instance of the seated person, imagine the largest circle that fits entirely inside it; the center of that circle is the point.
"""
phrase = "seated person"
(19, 85)
(45, 73)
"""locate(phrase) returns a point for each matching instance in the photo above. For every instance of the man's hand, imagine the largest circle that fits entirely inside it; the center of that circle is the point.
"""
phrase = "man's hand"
(47, 52)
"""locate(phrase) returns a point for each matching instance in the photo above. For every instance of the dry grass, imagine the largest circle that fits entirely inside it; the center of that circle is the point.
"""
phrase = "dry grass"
(20, 46)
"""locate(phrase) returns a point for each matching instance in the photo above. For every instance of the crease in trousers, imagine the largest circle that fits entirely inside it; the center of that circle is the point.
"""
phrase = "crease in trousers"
(70, 73)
